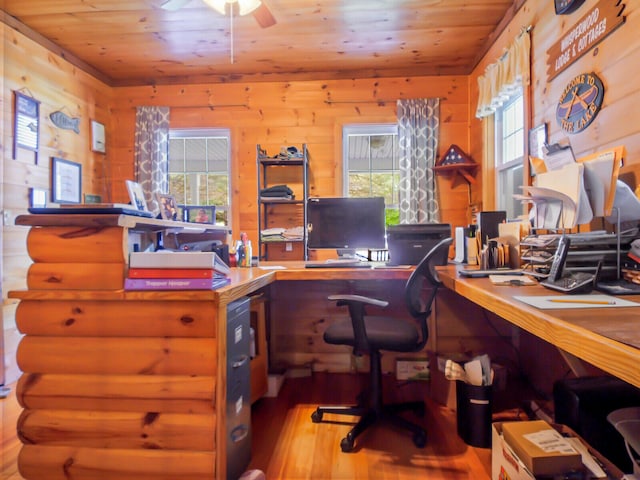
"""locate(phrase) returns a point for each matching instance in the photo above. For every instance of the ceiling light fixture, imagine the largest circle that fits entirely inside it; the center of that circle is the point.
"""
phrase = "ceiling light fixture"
(244, 7)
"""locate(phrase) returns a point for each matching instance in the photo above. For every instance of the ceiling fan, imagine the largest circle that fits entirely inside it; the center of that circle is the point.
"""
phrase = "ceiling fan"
(258, 8)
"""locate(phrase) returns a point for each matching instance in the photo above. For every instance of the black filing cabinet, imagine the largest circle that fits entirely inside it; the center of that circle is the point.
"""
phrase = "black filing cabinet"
(238, 406)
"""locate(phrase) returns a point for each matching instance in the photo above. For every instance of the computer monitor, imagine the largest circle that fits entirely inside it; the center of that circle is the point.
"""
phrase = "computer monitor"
(346, 224)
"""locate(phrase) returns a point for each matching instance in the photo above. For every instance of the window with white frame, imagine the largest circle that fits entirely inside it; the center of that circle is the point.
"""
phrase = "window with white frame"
(199, 167)
(509, 154)
(370, 159)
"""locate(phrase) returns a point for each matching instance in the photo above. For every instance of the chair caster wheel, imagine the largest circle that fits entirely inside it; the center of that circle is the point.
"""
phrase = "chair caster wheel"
(346, 444)
(316, 417)
(420, 439)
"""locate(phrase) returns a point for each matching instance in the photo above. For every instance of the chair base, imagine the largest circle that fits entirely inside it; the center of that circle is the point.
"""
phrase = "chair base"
(369, 416)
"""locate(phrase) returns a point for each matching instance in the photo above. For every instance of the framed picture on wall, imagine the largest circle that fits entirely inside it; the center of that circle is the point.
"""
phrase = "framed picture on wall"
(98, 142)
(537, 140)
(26, 124)
(66, 181)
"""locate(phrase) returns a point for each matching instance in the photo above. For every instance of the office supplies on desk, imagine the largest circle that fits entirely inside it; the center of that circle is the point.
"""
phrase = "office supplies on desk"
(338, 264)
(583, 302)
(477, 273)
(409, 243)
(543, 302)
(512, 280)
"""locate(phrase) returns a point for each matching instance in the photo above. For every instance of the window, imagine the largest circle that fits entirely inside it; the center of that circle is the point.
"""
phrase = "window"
(370, 154)
(509, 154)
(199, 169)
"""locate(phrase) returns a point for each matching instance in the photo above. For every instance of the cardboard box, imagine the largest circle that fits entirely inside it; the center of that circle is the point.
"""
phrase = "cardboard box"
(412, 369)
(506, 465)
(541, 447)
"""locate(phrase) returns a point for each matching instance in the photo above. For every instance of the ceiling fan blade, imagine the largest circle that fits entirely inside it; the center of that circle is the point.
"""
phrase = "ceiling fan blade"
(263, 16)
(172, 5)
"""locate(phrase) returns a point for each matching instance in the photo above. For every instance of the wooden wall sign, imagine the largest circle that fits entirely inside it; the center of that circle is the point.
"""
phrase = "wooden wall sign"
(26, 124)
(580, 102)
(590, 30)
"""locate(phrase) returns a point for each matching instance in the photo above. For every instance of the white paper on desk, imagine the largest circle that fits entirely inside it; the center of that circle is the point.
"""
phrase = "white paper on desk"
(553, 208)
(597, 181)
(626, 203)
(543, 301)
(567, 185)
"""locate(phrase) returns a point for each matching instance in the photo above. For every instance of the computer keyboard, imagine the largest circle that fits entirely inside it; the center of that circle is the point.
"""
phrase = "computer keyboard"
(339, 264)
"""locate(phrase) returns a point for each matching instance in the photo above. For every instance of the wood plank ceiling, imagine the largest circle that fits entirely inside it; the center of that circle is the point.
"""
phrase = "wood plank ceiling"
(136, 42)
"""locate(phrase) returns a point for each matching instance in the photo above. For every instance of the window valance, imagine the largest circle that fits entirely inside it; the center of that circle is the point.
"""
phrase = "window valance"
(503, 77)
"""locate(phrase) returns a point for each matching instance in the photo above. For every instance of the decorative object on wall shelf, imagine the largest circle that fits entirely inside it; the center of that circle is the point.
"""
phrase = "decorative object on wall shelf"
(98, 142)
(564, 7)
(61, 120)
(66, 181)
(199, 213)
(136, 195)
(92, 198)
(26, 124)
(168, 206)
(585, 34)
(455, 162)
(580, 102)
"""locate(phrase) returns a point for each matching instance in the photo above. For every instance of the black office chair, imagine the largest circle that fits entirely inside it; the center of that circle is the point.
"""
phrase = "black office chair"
(371, 334)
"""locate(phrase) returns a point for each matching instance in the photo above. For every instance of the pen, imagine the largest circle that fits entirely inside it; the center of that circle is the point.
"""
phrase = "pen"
(586, 302)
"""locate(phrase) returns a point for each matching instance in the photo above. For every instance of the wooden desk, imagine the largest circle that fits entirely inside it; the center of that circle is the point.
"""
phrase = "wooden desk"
(126, 384)
(607, 338)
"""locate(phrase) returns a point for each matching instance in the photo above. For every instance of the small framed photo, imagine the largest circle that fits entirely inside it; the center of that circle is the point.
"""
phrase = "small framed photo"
(168, 206)
(98, 141)
(199, 213)
(92, 198)
(537, 140)
(66, 181)
(37, 198)
(136, 195)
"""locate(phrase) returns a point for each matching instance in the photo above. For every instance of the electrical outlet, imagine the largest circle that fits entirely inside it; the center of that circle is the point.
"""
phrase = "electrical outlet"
(6, 217)
(288, 247)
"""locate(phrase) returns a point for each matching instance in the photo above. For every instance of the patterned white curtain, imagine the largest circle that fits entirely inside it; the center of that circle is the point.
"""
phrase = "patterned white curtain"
(418, 126)
(502, 78)
(152, 152)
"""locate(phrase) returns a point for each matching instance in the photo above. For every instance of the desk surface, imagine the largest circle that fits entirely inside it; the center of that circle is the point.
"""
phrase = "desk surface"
(607, 338)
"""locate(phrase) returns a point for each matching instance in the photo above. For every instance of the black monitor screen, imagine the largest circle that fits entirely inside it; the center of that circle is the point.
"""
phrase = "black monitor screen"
(346, 223)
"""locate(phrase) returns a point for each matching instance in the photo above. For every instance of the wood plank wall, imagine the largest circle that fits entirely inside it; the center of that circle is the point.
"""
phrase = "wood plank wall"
(614, 60)
(57, 85)
(283, 114)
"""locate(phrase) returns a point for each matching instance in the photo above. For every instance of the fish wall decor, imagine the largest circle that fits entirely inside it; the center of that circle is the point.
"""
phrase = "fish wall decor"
(62, 120)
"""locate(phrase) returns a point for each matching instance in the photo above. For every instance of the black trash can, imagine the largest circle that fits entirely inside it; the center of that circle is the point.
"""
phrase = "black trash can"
(474, 403)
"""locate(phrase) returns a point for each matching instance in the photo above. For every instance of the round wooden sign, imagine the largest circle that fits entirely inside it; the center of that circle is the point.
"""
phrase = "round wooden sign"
(580, 102)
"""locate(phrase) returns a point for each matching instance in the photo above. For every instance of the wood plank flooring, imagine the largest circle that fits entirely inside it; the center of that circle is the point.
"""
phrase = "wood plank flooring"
(287, 445)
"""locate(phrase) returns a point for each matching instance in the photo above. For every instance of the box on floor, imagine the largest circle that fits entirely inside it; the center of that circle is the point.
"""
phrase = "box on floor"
(506, 465)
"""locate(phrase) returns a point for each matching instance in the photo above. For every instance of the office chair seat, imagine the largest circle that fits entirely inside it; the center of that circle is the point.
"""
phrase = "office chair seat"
(383, 333)
(369, 335)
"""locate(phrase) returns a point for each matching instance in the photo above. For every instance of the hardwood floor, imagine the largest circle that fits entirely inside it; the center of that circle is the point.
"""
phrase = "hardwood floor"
(287, 445)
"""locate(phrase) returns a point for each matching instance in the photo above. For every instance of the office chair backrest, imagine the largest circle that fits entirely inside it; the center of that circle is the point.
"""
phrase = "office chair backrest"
(423, 285)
